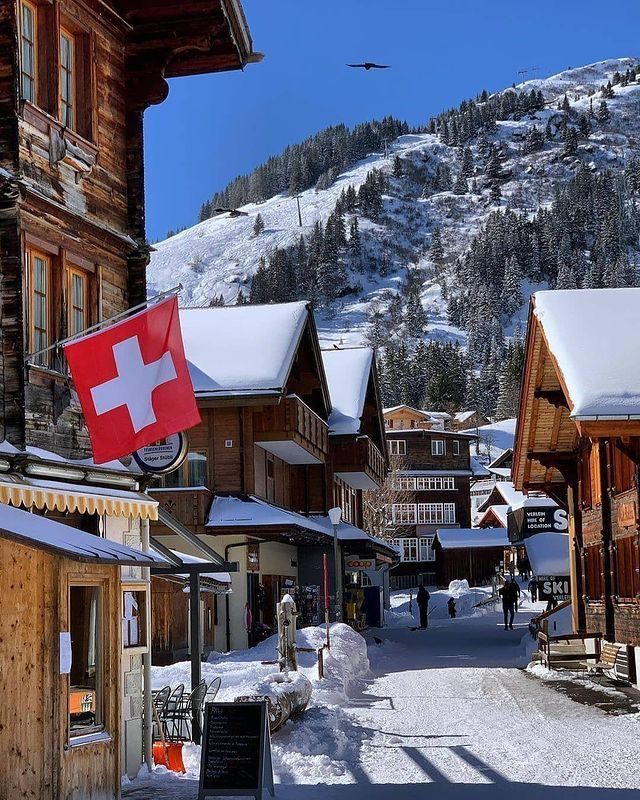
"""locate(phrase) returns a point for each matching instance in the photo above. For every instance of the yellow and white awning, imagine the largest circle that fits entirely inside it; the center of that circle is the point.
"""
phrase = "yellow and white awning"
(85, 499)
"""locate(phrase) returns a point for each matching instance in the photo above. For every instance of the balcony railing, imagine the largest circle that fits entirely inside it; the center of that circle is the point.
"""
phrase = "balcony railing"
(292, 431)
(358, 462)
(190, 506)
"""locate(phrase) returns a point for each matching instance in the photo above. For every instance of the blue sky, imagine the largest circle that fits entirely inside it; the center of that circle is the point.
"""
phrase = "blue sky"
(213, 127)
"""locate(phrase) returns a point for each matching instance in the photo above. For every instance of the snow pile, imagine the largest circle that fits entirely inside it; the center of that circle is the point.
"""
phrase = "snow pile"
(458, 588)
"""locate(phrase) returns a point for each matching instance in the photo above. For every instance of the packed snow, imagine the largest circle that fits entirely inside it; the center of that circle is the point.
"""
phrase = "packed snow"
(588, 333)
(454, 538)
(447, 711)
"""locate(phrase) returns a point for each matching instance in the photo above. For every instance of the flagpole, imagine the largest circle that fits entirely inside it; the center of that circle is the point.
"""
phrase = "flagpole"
(175, 290)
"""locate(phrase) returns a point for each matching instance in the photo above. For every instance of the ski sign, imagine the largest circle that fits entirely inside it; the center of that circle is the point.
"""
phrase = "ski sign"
(553, 587)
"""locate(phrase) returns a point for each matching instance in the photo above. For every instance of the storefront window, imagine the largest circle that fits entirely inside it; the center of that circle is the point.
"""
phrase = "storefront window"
(85, 684)
(193, 472)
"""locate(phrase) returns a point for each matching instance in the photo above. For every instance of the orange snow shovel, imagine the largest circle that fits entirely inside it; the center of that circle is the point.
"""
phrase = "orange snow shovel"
(167, 755)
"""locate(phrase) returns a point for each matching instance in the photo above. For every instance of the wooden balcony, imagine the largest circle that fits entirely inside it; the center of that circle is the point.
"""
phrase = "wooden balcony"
(188, 506)
(292, 431)
(358, 462)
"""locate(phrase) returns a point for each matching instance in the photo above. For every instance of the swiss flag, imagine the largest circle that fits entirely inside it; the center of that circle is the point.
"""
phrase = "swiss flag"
(133, 381)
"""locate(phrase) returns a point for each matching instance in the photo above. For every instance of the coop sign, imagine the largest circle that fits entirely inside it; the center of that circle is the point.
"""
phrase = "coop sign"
(358, 564)
(162, 456)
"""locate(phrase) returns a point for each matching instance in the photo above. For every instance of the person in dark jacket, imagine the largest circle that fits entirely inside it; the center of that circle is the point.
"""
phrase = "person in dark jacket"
(451, 607)
(533, 588)
(509, 593)
(422, 599)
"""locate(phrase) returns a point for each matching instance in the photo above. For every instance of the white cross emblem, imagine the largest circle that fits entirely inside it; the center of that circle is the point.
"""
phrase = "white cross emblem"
(135, 383)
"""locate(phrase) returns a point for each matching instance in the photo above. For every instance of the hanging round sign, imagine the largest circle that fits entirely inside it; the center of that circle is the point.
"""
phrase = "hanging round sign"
(163, 456)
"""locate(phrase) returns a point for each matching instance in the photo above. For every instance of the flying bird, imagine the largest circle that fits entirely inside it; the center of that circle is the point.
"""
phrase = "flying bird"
(370, 65)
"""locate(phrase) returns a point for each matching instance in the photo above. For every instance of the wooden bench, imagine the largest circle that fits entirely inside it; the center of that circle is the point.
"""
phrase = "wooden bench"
(606, 665)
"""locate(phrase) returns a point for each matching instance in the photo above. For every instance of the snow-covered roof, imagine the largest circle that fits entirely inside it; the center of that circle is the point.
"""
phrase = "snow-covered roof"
(348, 373)
(393, 409)
(236, 512)
(499, 512)
(465, 538)
(242, 350)
(437, 432)
(548, 553)
(42, 533)
(463, 416)
(437, 414)
(502, 472)
(591, 336)
(533, 500)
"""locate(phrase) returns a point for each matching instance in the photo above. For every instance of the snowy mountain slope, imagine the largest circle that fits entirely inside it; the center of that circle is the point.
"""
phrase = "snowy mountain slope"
(219, 256)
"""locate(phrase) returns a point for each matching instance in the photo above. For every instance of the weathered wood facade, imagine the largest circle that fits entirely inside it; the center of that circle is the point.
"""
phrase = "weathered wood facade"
(77, 76)
(591, 468)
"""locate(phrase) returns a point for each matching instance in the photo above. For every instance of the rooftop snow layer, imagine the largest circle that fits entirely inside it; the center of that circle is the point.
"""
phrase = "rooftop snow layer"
(590, 335)
(348, 374)
(463, 538)
(500, 513)
(240, 350)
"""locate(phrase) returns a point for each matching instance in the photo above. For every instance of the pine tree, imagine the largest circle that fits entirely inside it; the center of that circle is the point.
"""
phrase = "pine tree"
(460, 186)
(566, 278)
(604, 115)
(437, 250)
(571, 142)
(495, 194)
(466, 165)
(258, 225)
(355, 242)
(415, 318)
(397, 167)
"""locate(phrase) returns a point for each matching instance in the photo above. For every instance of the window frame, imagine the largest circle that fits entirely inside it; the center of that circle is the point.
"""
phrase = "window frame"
(400, 450)
(71, 83)
(33, 253)
(33, 9)
(137, 589)
(183, 471)
(455, 447)
(434, 483)
(75, 272)
(401, 510)
(405, 483)
(431, 553)
(434, 448)
(90, 731)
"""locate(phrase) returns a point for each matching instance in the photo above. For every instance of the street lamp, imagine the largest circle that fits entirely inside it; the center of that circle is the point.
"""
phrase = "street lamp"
(335, 515)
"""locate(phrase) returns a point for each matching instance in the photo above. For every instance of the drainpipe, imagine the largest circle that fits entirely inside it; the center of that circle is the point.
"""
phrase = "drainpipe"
(147, 720)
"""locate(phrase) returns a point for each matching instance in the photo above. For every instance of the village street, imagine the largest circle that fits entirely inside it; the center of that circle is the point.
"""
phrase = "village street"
(449, 706)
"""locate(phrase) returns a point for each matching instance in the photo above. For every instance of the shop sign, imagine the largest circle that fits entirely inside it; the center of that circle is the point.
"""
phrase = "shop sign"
(253, 558)
(358, 564)
(164, 455)
(554, 587)
(529, 520)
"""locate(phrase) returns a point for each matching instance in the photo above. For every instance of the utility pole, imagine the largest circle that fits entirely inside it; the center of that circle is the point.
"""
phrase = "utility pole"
(524, 73)
(299, 212)
(386, 147)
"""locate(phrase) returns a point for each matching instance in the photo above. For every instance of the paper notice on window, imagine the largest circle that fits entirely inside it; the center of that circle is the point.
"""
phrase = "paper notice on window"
(65, 652)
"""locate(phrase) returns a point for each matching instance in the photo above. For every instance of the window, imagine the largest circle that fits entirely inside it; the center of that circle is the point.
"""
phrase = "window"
(134, 628)
(436, 513)
(28, 22)
(86, 678)
(40, 324)
(388, 423)
(404, 513)
(425, 549)
(409, 548)
(77, 302)
(456, 447)
(397, 447)
(432, 484)
(67, 79)
(192, 472)
(403, 482)
(437, 447)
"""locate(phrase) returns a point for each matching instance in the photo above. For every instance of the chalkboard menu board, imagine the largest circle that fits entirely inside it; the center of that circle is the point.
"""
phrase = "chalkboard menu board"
(236, 751)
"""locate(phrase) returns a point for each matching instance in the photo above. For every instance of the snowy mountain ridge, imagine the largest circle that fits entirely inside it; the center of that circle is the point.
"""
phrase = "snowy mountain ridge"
(218, 257)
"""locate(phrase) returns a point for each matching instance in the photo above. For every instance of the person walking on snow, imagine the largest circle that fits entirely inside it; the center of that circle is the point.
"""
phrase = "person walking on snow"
(422, 599)
(451, 607)
(533, 588)
(509, 593)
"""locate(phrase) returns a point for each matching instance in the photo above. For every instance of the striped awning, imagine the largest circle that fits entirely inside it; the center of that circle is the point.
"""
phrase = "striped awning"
(74, 497)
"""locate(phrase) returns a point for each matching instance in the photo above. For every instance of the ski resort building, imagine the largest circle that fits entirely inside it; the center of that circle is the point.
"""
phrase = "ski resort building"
(431, 471)
(76, 77)
(274, 452)
(578, 440)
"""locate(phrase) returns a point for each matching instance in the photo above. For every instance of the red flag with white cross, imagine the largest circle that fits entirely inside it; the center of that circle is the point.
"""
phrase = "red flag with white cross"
(133, 381)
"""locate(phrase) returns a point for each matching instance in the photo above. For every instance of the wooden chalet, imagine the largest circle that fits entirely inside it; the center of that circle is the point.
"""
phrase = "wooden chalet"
(403, 416)
(432, 473)
(262, 470)
(466, 420)
(75, 79)
(578, 440)
(471, 554)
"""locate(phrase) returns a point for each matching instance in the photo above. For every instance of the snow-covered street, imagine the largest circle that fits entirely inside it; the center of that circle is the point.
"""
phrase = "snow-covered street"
(449, 706)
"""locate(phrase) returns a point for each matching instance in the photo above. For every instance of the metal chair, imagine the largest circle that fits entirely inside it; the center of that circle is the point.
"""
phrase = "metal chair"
(173, 703)
(160, 698)
(212, 690)
(182, 716)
